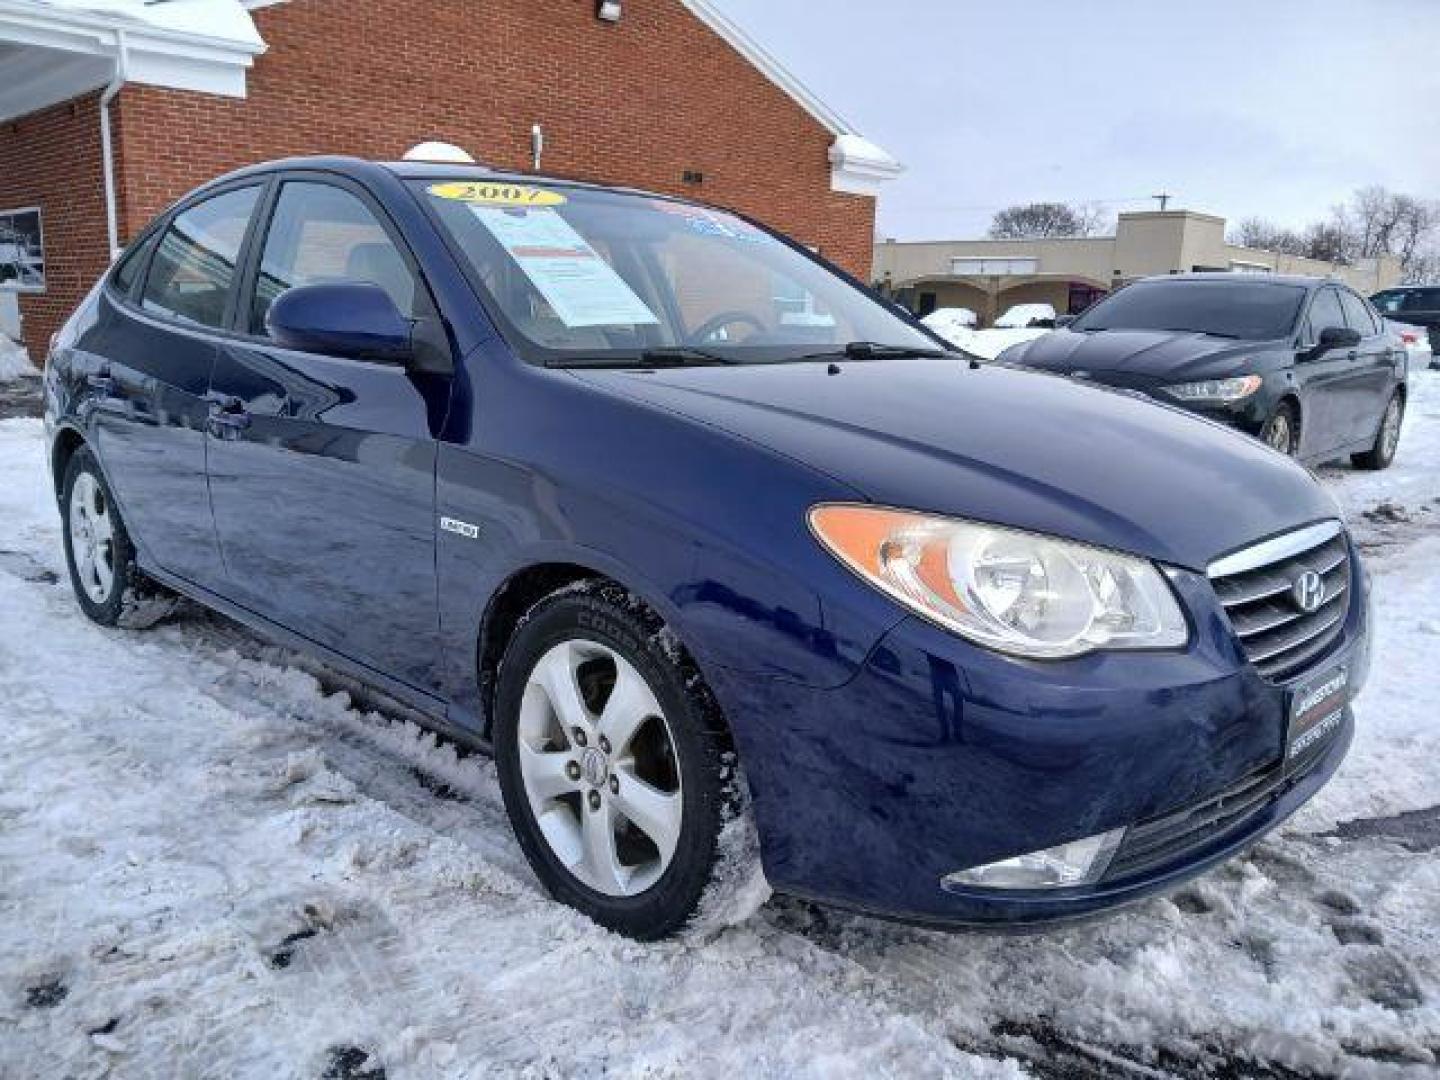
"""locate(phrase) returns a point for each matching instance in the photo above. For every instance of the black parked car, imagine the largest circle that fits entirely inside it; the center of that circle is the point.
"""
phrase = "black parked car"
(1304, 363)
(1413, 305)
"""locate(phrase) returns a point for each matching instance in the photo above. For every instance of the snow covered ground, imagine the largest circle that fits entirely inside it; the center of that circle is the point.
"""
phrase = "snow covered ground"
(214, 862)
(14, 362)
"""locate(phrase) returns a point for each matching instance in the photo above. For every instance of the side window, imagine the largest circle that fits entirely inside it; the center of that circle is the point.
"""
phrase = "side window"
(1422, 300)
(321, 234)
(194, 265)
(129, 266)
(1357, 314)
(1388, 302)
(1324, 313)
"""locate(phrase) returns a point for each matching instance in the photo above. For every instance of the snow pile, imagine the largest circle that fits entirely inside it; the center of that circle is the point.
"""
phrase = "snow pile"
(1023, 316)
(212, 862)
(945, 321)
(14, 362)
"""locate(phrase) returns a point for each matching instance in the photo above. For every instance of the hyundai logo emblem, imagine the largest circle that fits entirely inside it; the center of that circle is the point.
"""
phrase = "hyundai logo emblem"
(1308, 591)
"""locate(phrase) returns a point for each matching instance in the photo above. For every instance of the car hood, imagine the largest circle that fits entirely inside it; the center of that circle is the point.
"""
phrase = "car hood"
(998, 444)
(1139, 358)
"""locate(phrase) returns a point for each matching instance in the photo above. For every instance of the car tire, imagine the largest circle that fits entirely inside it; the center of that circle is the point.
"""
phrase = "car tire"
(1387, 439)
(108, 583)
(1282, 430)
(582, 667)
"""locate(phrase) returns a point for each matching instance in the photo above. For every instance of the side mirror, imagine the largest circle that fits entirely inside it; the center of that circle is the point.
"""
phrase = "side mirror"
(1063, 321)
(1338, 337)
(355, 320)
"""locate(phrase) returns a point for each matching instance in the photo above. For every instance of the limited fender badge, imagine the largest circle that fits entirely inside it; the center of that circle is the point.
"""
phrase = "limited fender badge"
(460, 528)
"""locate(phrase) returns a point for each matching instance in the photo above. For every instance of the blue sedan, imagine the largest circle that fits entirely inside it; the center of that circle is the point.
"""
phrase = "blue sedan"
(702, 538)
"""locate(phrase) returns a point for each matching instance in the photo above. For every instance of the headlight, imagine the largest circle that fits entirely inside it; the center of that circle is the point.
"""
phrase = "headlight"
(1016, 592)
(1221, 390)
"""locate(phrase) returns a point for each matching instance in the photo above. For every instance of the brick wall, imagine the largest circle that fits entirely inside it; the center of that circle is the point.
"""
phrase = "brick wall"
(51, 159)
(639, 102)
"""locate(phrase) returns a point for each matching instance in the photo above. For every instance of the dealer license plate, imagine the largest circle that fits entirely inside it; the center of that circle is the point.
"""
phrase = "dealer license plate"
(1317, 709)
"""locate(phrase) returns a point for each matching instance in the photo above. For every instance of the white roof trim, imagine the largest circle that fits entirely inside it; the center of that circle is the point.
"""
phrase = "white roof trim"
(857, 166)
(203, 45)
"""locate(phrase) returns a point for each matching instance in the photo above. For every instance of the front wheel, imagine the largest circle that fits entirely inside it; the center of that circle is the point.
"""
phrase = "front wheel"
(1387, 439)
(612, 761)
(109, 585)
(1282, 431)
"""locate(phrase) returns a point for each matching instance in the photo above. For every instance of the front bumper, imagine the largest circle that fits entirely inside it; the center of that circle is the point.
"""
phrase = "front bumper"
(939, 756)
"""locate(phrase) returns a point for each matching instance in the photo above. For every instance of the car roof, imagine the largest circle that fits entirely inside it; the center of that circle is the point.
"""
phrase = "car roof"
(1303, 280)
(360, 168)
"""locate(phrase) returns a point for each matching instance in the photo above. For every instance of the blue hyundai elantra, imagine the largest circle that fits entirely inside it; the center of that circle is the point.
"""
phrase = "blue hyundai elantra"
(691, 529)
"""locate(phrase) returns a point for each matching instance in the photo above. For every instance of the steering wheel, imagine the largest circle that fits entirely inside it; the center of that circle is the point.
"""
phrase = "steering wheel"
(717, 322)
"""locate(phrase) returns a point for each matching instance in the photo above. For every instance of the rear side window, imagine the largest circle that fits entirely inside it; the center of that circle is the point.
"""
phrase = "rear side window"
(1421, 300)
(194, 265)
(321, 234)
(1324, 313)
(1357, 314)
(129, 266)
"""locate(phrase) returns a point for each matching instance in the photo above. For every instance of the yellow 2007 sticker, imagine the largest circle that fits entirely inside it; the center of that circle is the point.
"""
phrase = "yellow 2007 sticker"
(492, 193)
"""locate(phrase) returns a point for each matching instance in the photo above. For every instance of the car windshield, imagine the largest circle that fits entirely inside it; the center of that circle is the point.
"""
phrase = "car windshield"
(578, 275)
(1234, 309)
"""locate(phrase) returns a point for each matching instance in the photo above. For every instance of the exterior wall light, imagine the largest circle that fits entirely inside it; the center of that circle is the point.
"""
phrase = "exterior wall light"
(608, 10)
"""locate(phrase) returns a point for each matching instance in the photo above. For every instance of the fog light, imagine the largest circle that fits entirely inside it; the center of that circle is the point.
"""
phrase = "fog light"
(1080, 862)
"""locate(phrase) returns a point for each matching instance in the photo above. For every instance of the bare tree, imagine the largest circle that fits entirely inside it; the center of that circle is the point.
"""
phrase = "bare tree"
(1254, 232)
(1038, 221)
(1416, 240)
(1330, 241)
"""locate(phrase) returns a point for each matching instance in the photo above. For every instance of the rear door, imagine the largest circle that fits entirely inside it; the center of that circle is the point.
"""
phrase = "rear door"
(152, 353)
(322, 473)
(1375, 364)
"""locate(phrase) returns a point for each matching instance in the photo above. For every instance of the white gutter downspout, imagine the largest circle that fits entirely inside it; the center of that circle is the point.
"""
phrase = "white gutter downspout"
(107, 158)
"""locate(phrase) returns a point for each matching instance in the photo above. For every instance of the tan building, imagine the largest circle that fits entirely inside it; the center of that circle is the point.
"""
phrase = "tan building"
(989, 276)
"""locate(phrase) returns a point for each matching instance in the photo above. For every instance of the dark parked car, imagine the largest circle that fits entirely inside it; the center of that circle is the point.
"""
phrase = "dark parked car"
(1303, 363)
(632, 490)
(1413, 305)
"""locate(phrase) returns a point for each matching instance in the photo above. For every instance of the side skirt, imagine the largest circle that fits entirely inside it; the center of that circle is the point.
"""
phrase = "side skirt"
(433, 711)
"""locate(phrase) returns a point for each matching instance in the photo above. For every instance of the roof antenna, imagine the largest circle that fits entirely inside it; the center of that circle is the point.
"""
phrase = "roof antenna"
(537, 145)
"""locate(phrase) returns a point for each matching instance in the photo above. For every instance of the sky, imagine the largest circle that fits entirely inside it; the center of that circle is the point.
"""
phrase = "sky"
(1275, 108)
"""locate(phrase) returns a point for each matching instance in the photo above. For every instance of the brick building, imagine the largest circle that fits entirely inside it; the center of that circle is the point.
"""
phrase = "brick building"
(110, 109)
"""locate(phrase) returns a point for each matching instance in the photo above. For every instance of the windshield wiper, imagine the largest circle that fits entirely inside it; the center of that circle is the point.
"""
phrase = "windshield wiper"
(1207, 333)
(876, 350)
(667, 356)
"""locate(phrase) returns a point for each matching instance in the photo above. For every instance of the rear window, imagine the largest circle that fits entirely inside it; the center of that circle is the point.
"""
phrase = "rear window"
(1232, 309)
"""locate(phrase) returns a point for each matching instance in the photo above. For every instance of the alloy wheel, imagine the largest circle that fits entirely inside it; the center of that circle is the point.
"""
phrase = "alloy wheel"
(1390, 429)
(92, 537)
(1277, 434)
(598, 764)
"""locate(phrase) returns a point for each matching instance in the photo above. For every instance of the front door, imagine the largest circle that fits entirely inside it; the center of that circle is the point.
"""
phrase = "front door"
(1326, 379)
(322, 470)
(150, 357)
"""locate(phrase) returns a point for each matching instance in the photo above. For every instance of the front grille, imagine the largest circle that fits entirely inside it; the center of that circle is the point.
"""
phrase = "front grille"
(1254, 586)
(1162, 840)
